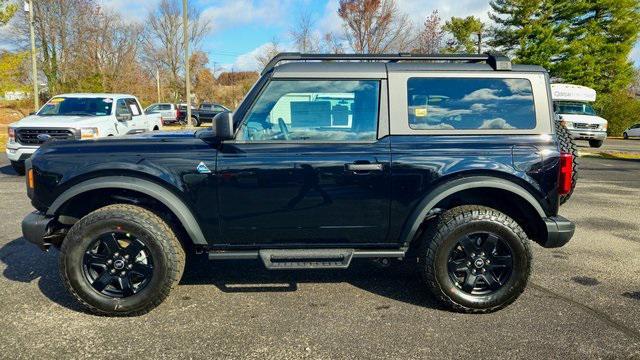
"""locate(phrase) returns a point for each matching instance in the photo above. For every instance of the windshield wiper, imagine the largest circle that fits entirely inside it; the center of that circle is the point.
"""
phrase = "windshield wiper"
(81, 113)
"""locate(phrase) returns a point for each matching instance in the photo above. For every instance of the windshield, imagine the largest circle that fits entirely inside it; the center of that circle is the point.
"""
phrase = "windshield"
(577, 108)
(69, 106)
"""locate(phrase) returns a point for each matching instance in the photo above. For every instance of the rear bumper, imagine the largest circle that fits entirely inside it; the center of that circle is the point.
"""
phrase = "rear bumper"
(35, 228)
(559, 231)
(587, 134)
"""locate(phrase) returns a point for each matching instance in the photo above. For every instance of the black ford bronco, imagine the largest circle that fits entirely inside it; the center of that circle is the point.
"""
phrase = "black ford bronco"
(452, 162)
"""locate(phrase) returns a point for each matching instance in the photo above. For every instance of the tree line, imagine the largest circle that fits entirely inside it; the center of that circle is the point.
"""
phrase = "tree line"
(83, 47)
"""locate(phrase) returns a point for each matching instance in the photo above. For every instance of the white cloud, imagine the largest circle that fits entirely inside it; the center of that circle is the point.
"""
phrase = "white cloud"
(247, 61)
(130, 11)
(497, 123)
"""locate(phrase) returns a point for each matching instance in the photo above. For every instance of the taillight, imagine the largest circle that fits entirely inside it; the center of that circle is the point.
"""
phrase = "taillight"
(566, 172)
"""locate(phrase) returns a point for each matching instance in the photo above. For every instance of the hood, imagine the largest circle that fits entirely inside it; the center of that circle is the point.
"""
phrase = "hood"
(164, 134)
(34, 121)
(587, 119)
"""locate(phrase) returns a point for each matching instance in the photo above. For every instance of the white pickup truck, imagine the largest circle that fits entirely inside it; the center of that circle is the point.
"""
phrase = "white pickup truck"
(76, 116)
(572, 105)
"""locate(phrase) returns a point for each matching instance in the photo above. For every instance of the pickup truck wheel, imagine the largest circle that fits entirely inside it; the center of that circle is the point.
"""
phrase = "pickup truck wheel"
(568, 145)
(475, 259)
(18, 167)
(121, 260)
(595, 143)
(196, 122)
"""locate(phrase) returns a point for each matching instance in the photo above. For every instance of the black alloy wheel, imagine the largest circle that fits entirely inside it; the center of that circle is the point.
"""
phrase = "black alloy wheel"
(480, 263)
(118, 264)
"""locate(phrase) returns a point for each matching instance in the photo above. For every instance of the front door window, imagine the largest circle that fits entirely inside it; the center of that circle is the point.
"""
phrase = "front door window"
(314, 110)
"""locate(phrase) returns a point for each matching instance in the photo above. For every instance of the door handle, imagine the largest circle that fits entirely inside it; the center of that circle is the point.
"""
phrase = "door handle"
(364, 167)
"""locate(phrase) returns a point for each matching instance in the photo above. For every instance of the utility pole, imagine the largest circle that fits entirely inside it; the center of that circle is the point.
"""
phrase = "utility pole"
(185, 30)
(158, 83)
(34, 65)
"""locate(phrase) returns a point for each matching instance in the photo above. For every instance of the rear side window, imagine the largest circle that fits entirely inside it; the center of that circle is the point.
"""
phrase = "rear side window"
(164, 106)
(470, 103)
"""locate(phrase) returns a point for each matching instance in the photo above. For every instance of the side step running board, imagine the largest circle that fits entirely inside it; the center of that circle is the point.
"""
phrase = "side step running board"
(306, 259)
(275, 259)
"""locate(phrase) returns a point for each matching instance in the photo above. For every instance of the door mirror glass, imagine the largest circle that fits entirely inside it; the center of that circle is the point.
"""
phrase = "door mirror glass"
(223, 126)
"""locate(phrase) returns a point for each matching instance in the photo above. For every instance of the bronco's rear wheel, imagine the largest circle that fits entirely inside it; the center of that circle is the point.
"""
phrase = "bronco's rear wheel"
(121, 260)
(475, 259)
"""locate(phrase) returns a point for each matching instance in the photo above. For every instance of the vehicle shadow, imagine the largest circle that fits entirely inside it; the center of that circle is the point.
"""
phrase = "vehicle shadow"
(7, 170)
(25, 263)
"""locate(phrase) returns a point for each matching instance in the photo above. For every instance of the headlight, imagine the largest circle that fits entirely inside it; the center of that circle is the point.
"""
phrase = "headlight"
(605, 126)
(88, 133)
(566, 124)
(12, 135)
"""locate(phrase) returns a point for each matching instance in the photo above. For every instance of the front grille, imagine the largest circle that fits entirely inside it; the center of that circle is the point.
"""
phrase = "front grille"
(586, 126)
(30, 136)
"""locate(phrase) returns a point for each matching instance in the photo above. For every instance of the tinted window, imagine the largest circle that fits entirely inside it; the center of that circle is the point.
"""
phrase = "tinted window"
(314, 110)
(164, 106)
(151, 109)
(470, 103)
(219, 108)
(122, 108)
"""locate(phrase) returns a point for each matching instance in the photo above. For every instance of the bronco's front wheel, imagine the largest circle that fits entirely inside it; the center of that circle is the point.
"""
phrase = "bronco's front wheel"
(121, 260)
(475, 259)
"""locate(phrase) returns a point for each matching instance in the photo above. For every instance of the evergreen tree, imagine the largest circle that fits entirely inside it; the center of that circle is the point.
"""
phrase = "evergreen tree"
(599, 35)
(466, 34)
(526, 30)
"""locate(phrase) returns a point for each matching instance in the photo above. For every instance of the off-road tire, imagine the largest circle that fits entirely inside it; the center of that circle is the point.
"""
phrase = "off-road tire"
(18, 167)
(595, 143)
(568, 145)
(167, 252)
(443, 234)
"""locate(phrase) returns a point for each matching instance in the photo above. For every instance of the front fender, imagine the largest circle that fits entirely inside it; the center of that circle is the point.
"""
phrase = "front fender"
(158, 192)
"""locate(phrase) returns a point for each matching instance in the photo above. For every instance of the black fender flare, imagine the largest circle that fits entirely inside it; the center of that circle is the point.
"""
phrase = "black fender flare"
(446, 189)
(158, 192)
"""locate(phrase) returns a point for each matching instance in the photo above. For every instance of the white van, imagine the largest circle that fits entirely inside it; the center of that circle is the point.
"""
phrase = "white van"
(572, 105)
(76, 116)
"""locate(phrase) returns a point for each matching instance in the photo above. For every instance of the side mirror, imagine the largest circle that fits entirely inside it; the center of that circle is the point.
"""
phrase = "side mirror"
(222, 125)
(123, 117)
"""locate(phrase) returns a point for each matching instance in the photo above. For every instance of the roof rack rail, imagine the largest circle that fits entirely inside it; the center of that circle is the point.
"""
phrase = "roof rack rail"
(497, 61)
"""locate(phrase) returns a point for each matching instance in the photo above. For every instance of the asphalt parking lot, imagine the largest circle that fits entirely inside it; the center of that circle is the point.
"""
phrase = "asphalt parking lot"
(583, 300)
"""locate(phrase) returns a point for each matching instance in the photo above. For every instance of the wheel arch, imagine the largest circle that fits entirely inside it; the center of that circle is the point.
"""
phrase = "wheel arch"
(478, 190)
(160, 193)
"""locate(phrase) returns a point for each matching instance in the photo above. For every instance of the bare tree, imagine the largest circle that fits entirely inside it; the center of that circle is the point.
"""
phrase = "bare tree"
(304, 38)
(429, 40)
(163, 42)
(272, 49)
(331, 43)
(375, 26)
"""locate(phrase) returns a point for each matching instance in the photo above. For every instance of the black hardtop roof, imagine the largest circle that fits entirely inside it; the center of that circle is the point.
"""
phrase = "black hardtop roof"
(401, 61)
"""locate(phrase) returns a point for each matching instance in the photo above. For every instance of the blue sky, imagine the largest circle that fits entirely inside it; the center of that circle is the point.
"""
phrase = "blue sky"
(240, 28)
